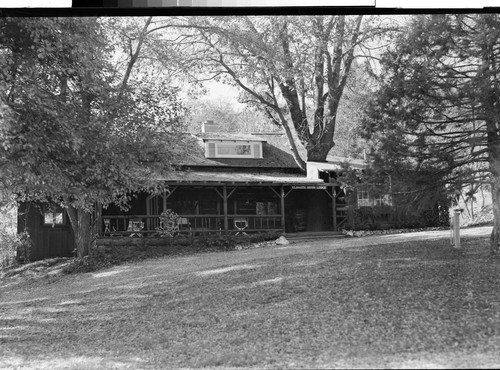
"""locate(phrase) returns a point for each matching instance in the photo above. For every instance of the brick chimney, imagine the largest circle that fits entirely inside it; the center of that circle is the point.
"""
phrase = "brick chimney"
(209, 126)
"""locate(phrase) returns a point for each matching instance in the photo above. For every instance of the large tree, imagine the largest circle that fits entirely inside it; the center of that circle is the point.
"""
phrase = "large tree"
(228, 117)
(293, 68)
(76, 129)
(439, 107)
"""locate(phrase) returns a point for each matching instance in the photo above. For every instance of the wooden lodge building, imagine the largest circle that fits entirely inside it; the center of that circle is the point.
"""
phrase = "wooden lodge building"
(236, 183)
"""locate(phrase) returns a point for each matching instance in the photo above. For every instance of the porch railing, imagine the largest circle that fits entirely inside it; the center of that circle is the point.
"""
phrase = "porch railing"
(149, 225)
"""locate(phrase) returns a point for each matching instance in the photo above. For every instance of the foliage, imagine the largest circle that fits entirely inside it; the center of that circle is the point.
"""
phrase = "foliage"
(397, 217)
(106, 256)
(349, 142)
(169, 223)
(230, 241)
(8, 230)
(94, 261)
(436, 112)
(228, 118)
(14, 247)
(417, 198)
(23, 247)
(365, 218)
(8, 247)
(294, 69)
(476, 205)
(151, 107)
(427, 114)
(75, 131)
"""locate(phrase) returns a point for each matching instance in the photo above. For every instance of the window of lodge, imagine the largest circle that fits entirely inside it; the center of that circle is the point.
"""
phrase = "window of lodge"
(53, 216)
(363, 199)
(379, 200)
(234, 150)
(266, 208)
(226, 149)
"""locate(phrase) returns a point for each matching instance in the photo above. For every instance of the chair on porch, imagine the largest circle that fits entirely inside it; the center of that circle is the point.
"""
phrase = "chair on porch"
(241, 224)
(110, 228)
(135, 226)
(107, 225)
(184, 224)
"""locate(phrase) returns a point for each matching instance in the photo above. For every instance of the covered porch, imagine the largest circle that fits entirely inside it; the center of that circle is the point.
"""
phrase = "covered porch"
(217, 203)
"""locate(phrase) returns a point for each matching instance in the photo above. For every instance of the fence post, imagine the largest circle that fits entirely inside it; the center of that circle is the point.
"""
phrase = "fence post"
(456, 228)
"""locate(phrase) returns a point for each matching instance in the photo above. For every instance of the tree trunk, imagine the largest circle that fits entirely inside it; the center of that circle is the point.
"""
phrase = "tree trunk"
(495, 195)
(293, 146)
(83, 237)
(317, 152)
(80, 222)
(490, 94)
(493, 129)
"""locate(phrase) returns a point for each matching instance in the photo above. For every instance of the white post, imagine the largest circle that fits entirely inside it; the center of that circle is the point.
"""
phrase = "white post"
(456, 228)
(451, 231)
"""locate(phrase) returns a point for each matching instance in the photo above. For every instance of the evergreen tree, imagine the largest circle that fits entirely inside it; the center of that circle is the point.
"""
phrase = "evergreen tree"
(438, 109)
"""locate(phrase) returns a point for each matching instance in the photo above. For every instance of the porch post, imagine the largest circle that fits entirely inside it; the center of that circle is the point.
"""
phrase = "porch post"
(164, 200)
(334, 208)
(98, 211)
(224, 200)
(282, 197)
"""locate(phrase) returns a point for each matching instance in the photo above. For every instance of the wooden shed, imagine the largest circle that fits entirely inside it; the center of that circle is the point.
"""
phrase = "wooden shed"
(49, 229)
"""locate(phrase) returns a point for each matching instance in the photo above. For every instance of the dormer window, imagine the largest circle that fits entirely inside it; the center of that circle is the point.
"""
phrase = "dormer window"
(223, 149)
(233, 149)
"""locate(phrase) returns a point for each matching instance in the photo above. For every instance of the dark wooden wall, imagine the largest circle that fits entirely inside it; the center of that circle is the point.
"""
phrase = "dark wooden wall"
(305, 209)
(243, 201)
(47, 241)
(308, 210)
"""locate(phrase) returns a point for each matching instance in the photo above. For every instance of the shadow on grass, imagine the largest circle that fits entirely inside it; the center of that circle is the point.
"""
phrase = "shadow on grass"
(364, 308)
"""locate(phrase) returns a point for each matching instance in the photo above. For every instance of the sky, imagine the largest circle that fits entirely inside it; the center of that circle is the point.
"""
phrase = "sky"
(219, 91)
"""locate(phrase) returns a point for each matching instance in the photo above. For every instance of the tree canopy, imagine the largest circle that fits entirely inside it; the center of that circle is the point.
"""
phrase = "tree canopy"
(74, 130)
(79, 118)
(438, 110)
(295, 69)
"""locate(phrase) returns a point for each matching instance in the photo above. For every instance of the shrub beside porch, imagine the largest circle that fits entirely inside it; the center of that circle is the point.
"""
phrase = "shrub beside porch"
(127, 248)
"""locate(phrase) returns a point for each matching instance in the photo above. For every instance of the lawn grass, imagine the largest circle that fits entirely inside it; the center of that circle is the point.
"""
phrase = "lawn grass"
(414, 304)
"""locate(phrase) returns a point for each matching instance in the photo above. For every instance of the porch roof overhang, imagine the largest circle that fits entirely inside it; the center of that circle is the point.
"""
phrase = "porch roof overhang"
(240, 178)
(356, 164)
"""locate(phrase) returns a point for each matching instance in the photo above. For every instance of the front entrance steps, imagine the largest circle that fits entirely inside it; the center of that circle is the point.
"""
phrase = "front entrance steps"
(313, 235)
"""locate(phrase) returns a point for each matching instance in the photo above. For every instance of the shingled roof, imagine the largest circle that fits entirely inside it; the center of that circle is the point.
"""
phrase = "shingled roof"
(276, 155)
(273, 157)
(252, 178)
(228, 137)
